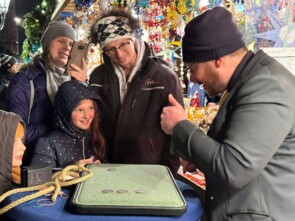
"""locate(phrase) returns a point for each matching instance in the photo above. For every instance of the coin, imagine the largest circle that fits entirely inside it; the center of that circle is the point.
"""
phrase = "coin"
(111, 169)
(122, 191)
(107, 191)
(140, 191)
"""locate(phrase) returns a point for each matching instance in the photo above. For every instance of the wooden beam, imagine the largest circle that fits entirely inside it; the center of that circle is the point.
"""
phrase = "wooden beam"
(59, 8)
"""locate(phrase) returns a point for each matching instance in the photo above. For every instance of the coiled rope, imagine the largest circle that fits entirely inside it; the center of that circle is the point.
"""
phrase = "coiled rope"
(58, 181)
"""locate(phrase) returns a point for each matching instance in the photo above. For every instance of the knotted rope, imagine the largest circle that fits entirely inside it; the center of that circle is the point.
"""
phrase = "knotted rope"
(58, 181)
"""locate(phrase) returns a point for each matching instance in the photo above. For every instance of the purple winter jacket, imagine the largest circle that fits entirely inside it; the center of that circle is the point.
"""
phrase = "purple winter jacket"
(18, 101)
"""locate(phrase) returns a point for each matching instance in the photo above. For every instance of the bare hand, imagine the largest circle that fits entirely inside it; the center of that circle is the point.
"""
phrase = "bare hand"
(90, 160)
(187, 166)
(78, 73)
(171, 115)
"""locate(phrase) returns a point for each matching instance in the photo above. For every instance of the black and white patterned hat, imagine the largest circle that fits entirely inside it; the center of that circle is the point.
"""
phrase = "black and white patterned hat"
(111, 28)
(6, 61)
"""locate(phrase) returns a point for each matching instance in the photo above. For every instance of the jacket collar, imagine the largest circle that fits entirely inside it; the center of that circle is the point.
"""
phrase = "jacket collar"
(38, 67)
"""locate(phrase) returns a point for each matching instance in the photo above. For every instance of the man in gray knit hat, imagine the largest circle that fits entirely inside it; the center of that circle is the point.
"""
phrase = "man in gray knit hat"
(248, 154)
(32, 91)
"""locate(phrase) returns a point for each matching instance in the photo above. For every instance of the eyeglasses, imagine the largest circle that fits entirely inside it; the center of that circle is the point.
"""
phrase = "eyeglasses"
(112, 51)
(189, 67)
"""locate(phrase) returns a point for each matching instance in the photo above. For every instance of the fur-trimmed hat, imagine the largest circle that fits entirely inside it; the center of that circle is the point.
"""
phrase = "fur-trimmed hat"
(54, 30)
(210, 36)
(112, 28)
(6, 61)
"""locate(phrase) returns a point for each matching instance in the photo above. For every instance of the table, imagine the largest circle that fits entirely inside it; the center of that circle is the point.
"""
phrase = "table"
(60, 211)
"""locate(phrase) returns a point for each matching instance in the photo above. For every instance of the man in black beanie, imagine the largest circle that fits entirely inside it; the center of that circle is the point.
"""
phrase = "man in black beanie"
(248, 154)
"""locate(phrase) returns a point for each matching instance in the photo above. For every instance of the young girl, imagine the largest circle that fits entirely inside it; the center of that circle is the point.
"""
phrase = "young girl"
(77, 138)
(11, 150)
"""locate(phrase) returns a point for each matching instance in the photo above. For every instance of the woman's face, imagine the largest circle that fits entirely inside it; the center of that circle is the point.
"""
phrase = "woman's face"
(83, 114)
(59, 51)
(18, 152)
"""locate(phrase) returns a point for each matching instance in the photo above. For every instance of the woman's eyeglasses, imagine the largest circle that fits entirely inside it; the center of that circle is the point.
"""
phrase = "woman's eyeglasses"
(112, 51)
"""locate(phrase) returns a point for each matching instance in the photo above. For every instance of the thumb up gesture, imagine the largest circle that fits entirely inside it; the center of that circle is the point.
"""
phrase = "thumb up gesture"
(171, 115)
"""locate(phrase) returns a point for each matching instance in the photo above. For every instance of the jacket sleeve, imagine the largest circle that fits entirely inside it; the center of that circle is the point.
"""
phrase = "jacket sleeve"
(44, 152)
(18, 101)
(172, 86)
(256, 123)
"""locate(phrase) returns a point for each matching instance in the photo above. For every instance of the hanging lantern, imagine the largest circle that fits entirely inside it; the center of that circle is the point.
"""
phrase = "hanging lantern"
(184, 7)
(4, 4)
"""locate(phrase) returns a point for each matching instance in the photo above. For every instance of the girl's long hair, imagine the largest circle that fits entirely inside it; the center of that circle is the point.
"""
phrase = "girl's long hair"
(98, 141)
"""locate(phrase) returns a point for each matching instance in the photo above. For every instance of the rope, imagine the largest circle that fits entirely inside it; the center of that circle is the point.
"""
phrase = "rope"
(58, 181)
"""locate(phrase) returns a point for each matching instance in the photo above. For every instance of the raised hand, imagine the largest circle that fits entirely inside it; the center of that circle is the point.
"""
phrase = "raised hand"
(171, 115)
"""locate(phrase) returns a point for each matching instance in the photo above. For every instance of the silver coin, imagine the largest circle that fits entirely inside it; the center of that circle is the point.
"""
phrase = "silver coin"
(111, 169)
(122, 191)
(140, 191)
(107, 191)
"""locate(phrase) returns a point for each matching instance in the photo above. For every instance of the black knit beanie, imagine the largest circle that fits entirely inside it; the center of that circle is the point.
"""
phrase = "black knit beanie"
(6, 61)
(210, 36)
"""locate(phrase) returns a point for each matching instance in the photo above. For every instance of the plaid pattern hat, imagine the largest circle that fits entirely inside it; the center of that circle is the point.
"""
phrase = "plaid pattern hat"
(6, 61)
(54, 30)
(111, 28)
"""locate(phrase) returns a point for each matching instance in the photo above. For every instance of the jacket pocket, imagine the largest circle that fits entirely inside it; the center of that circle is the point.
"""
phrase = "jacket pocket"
(246, 216)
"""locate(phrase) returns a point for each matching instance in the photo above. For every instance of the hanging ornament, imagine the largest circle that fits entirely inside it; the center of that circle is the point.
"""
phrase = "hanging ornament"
(83, 3)
(143, 3)
(105, 5)
(184, 6)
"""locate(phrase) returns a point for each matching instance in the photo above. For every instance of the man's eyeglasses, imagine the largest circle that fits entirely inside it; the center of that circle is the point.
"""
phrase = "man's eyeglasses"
(189, 67)
(112, 51)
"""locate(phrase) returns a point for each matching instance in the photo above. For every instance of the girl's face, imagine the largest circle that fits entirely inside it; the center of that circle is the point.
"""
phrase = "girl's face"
(18, 152)
(59, 51)
(83, 114)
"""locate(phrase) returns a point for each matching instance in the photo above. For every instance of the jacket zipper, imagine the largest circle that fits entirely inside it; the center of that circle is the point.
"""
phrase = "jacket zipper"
(83, 147)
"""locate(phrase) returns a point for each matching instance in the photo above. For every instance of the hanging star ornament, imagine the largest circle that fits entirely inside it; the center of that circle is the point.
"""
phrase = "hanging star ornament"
(283, 34)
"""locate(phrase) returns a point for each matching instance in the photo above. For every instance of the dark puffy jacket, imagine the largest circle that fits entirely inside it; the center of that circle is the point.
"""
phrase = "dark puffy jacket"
(5, 78)
(18, 101)
(133, 131)
(66, 144)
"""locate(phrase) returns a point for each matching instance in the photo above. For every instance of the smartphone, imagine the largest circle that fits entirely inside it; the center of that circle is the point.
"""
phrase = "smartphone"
(79, 51)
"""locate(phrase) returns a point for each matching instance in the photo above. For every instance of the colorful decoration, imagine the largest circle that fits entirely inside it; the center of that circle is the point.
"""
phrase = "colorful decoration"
(105, 5)
(271, 24)
(34, 24)
(83, 3)
(184, 6)
(143, 3)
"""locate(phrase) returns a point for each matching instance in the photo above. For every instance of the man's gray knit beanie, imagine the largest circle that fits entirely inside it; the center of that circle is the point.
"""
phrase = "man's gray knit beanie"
(54, 30)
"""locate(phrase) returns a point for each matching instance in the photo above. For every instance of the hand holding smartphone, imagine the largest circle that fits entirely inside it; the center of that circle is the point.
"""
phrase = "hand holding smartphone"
(79, 51)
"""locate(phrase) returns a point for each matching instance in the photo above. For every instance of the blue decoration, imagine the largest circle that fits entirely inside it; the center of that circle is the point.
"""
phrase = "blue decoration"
(64, 15)
(35, 47)
(83, 3)
(143, 3)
